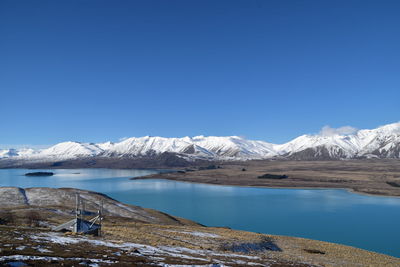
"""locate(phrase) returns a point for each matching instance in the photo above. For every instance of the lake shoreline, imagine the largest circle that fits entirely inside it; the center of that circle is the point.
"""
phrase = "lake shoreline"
(127, 232)
(204, 203)
(372, 178)
(156, 177)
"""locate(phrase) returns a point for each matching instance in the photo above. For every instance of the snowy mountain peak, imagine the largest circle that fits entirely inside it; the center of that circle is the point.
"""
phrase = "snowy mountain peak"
(393, 128)
(345, 142)
(70, 150)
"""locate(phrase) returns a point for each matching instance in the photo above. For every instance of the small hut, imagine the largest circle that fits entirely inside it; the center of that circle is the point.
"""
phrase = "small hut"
(79, 224)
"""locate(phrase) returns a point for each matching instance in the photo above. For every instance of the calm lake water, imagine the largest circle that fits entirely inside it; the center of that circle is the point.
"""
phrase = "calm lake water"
(330, 215)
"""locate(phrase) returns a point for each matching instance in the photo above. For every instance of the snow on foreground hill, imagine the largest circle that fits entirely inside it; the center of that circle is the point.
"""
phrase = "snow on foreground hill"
(135, 236)
(382, 142)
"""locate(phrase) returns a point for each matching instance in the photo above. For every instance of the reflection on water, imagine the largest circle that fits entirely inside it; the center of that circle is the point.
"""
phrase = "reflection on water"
(330, 215)
(90, 179)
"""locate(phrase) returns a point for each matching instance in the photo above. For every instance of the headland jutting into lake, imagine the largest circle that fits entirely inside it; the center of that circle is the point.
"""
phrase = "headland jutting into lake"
(375, 177)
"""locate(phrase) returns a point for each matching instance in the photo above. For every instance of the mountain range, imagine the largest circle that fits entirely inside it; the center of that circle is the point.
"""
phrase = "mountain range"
(382, 142)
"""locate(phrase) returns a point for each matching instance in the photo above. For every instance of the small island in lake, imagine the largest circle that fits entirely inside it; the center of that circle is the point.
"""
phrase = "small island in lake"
(272, 176)
(39, 174)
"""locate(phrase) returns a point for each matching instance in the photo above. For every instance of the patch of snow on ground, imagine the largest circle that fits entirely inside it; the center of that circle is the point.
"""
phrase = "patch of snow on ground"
(199, 234)
(207, 265)
(62, 240)
(37, 258)
(206, 252)
(146, 250)
(43, 250)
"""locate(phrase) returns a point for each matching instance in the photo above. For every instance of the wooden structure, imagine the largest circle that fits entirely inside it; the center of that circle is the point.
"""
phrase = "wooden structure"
(79, 224)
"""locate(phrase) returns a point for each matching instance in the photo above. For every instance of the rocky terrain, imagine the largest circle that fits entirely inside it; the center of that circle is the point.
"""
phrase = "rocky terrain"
(133, 235)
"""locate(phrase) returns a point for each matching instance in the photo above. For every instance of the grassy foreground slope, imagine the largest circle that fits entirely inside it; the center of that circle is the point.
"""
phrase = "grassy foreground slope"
(137, 236)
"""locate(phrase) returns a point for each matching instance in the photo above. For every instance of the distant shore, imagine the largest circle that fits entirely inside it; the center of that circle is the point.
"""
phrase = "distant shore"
(379, 177)
(370, 177)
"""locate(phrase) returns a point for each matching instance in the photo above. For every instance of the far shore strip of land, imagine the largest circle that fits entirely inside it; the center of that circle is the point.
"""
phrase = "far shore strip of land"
(372, 177)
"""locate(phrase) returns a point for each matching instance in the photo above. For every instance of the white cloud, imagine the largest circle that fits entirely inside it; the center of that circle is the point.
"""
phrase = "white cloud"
(329, 131)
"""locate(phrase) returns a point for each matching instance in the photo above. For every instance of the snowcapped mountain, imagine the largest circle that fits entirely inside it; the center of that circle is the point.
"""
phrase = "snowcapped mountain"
(6, 153)
(67, 150)
(147, 145)
(382, 142)
(234, 146)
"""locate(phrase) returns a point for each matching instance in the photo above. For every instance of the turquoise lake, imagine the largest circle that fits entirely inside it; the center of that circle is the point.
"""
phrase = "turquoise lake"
(368, 222)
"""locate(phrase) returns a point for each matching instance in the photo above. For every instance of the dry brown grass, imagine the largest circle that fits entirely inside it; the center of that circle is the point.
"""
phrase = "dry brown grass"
(294, 251)
(362, 176)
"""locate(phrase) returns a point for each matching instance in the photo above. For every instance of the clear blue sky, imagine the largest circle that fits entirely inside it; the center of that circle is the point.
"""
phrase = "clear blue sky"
(92, 70)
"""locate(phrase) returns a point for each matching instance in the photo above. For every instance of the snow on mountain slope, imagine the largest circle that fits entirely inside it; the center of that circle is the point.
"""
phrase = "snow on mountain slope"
(382, 142)
(337, 146)
(69, 150)
(105, 146)
(6, 153)
(234, 146)
(147, 145)
(25, 152)
(200, 146)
